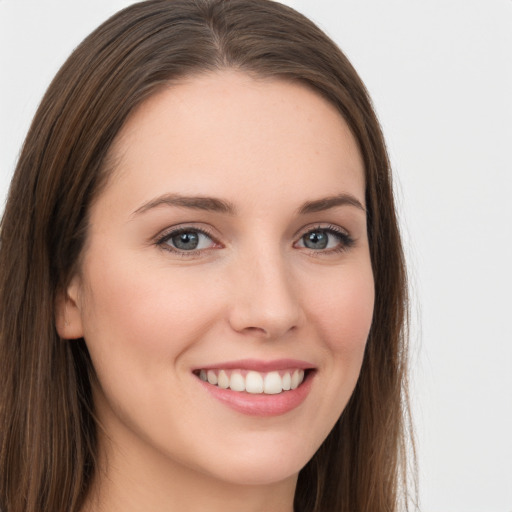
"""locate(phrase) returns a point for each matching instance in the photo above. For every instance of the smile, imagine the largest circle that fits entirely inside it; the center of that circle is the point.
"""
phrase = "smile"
(254, 382)
(258, 388)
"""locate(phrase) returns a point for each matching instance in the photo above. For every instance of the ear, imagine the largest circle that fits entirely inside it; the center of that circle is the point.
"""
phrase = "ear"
(68, 314)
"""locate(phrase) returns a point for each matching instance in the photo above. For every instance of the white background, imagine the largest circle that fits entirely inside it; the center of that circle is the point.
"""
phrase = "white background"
(440, 74)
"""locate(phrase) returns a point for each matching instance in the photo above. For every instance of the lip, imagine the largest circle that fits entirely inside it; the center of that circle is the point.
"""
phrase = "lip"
(261, 405)
(258, 365)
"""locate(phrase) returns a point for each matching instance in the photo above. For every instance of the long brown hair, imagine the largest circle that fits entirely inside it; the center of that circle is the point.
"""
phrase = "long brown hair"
(47, 428)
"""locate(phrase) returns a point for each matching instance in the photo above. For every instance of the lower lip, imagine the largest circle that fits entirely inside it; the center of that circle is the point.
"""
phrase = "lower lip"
(262, 404)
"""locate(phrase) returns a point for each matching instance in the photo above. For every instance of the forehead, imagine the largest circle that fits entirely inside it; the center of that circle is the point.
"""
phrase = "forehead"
(212, 133)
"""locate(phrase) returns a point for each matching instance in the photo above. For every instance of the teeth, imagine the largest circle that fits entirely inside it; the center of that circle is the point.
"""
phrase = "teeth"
(223, 380)
(271, 383)
(297, 378)
(254, 382)
(287, 381)
(237, 382)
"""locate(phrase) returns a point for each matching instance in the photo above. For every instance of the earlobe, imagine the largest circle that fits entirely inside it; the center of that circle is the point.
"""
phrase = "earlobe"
(68, 314)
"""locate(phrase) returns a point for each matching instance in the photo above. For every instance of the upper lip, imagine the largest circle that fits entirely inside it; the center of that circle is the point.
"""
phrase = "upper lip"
(259, 365)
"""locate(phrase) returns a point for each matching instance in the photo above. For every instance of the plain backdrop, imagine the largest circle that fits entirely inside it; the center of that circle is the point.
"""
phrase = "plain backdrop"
(440, 75)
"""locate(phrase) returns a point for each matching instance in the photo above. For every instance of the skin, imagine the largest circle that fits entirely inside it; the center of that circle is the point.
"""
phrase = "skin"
(254, 290)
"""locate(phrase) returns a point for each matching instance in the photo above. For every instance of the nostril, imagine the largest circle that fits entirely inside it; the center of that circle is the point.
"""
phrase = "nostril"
(255, 329)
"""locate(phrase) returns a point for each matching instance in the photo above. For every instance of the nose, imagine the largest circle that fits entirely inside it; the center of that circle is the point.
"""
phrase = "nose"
(265, 302)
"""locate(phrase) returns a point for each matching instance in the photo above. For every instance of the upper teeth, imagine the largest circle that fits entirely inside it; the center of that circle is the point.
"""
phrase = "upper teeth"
(269, 383)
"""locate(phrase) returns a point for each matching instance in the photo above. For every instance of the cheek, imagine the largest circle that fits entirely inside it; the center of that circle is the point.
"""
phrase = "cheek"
(347, 307)
(148, 313)
(344, 313)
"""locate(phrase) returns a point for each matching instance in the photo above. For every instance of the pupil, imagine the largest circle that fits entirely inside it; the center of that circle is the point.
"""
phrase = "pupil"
(316, 240)
(186, 241)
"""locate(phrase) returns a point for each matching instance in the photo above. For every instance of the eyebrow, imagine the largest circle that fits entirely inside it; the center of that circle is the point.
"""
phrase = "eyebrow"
(211, 204)
(214, 204)
(326, 203)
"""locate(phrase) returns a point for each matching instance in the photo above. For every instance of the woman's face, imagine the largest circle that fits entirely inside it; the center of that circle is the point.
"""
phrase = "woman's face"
(229, 245)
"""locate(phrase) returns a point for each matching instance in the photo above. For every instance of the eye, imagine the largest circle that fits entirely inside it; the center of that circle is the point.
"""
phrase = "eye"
(186, 240)
(327, 239)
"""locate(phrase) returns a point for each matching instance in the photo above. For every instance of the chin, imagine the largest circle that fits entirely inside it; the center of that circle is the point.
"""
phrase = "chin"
(272, 472)
(262, 465)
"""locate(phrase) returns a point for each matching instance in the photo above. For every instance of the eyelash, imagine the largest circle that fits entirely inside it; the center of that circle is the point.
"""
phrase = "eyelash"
(344, 239)
(167, 236)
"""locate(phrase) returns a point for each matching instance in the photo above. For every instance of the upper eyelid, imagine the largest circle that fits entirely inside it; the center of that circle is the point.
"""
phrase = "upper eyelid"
(208, 231)
(321, 226)
(180, 228)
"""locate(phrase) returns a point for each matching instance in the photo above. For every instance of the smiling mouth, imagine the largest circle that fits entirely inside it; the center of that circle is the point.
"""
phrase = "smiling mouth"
(254, 382)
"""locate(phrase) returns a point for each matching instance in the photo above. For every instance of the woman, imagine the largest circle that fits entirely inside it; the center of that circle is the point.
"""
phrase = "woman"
(203, 294)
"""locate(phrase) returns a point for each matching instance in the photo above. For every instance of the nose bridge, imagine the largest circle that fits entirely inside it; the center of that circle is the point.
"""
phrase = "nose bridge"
(265, 302)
